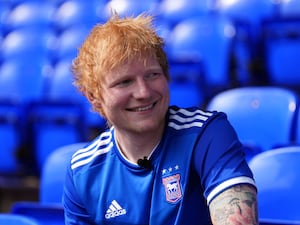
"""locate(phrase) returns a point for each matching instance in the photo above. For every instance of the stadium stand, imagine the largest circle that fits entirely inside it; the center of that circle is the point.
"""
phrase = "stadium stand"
(213, 46)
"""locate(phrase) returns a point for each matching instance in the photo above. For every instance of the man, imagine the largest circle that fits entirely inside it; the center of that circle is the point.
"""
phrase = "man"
(155, 164)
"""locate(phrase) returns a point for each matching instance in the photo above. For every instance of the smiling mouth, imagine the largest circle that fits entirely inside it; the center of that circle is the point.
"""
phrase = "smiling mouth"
(145, 108)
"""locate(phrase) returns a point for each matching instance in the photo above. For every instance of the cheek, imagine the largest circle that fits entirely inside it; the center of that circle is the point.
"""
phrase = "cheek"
(165, 89)
(112, 100)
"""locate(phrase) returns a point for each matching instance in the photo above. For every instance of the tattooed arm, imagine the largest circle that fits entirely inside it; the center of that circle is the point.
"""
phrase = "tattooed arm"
(236, 205)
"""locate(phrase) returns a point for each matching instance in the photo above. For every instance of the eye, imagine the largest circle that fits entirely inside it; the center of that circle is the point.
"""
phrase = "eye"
(153, 75)
(123, 83)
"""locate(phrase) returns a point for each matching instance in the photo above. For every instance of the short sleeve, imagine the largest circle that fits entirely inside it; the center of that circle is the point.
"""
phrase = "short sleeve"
(219, 158)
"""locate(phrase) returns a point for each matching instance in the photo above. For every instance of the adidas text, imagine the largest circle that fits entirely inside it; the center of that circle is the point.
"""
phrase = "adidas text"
(114, 210)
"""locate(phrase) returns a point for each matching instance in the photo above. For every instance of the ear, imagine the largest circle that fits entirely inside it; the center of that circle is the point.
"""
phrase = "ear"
(96, 103)
(91, 98)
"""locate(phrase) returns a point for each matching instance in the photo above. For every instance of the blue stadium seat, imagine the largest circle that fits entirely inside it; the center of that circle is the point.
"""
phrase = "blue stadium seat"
(263, 117)
(22, 82)
(252, 12)
(68, 43)
(186, 85)
(208, 39)
(59, 116)
(44, 214)
(60, 84)
(290, 8)
(9, 143)
(281, 51)
(74, 13)
(174, 12)
(53, 173)
(11, 219)
(27, 44)
(277, 176)
(130, 7)
(63, 90)
(30, 14)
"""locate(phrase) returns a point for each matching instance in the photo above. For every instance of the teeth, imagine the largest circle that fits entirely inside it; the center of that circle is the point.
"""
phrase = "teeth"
(144, 108)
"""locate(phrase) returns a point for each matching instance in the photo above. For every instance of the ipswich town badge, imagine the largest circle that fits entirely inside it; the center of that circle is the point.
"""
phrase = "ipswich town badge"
(172, 188)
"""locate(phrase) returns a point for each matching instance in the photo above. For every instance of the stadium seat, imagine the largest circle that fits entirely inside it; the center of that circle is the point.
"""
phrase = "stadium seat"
(68, 43)
(60, 84)
(9, 143)
(173, 12)
(185, 94)
(59, 116)
(38, 45)
(289, 9)
(263, 117)
(62, 90)
(44, 214)
(30, 14)
(208, 39)
(281, 50)
(129, 7)
(73, 13)
(186, 85)
(53, 173)
(11, 219)
(22, 82)
(252, 12)
(277, 176)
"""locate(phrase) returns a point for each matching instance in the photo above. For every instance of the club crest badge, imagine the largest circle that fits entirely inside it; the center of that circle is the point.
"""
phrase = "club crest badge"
(172, 188)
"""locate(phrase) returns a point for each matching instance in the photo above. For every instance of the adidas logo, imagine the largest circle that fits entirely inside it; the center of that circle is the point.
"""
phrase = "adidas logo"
(114, 210)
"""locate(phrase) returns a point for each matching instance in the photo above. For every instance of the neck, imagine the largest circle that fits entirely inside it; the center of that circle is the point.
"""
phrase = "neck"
(137, 146)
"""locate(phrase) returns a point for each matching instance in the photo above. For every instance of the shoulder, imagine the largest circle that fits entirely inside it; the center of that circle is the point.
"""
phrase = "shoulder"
(193, 117)
(89, 154)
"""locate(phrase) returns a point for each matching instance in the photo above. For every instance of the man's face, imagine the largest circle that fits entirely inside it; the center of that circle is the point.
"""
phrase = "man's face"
(136, 96)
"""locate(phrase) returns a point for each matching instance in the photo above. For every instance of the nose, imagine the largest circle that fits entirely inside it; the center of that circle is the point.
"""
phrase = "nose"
(142, 89)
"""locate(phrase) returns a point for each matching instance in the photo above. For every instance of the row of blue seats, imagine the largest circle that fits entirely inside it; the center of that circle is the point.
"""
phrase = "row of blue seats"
(65, 13)
(212, 57)
(218, 37)
(263, 116)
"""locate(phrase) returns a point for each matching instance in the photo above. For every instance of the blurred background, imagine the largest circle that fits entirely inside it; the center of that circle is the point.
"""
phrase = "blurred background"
(213, 46)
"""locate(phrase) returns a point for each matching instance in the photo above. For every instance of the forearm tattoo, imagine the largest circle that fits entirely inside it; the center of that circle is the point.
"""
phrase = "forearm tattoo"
(236, 205)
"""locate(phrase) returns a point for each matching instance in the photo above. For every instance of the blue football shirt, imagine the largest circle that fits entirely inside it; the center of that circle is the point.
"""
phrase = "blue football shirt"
(198, 157)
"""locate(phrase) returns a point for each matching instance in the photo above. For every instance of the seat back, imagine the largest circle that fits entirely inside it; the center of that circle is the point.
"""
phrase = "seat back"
(289, 8)
(11, 219)
(173, 12)
(53, 173)
(77, 13)
(206, 38)
(44, 214)
(129, 7)
(252, 12)
(277, 176)
(262, 116)
(281, 39)
(31, 14)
